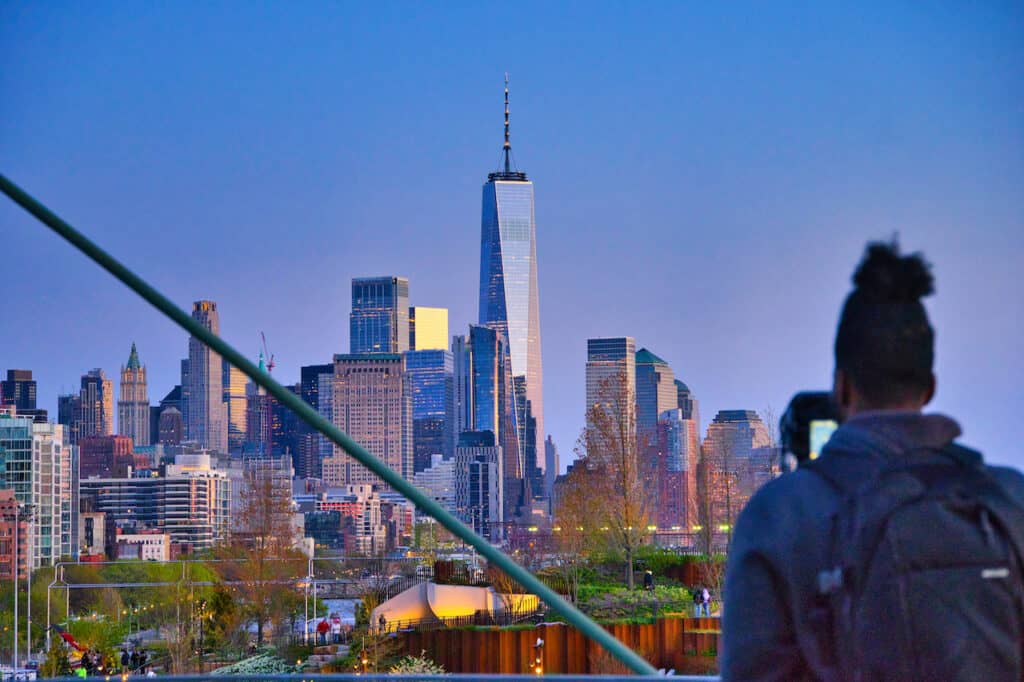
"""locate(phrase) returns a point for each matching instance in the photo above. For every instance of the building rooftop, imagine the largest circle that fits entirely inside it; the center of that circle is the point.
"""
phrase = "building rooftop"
(646, 357)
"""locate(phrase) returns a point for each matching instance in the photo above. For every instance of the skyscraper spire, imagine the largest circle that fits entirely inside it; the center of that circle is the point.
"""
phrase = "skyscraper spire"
(133, 358)
(508, 145)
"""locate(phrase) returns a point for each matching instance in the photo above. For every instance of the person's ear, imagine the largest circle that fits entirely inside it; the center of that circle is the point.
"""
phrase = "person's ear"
(932, 385)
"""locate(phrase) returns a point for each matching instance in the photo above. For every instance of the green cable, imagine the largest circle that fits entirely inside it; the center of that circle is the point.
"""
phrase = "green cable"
(574, 616)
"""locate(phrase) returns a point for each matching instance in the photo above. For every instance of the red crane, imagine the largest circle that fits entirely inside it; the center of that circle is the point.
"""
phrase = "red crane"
(267, 353)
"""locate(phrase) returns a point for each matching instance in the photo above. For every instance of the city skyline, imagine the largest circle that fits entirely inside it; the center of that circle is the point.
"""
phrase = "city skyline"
(729, 242)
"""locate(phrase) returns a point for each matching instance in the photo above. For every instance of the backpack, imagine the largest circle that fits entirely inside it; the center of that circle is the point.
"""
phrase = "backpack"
(698, 596)
(924, 580)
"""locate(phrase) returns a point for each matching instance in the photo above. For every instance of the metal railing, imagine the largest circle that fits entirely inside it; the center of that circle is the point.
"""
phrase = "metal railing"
(629, 658)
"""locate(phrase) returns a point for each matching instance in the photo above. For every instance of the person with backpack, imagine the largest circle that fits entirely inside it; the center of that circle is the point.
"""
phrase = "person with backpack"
(897, 554)
(698, 600)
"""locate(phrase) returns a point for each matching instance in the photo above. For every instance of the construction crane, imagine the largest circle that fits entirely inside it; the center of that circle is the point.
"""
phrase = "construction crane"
(267, 353)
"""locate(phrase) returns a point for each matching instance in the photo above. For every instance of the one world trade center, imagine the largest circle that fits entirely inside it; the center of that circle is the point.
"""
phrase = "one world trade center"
(509, 301)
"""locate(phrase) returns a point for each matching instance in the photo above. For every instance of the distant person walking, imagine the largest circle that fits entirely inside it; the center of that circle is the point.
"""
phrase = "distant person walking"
(701, 602)
(897, 553)
(322, 628)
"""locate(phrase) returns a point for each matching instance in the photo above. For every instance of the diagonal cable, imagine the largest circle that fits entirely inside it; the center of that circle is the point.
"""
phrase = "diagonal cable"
(574, 616)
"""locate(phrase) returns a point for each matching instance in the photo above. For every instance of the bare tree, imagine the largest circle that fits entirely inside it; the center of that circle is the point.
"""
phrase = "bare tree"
(613, 453)
(262, 559)
(576, 527)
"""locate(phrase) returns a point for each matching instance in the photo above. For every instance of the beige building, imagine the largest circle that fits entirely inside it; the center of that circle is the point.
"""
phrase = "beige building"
(737, 459)
(372, 403)
(206, 415)
(133, 404)
(153, 546)
(428, 328)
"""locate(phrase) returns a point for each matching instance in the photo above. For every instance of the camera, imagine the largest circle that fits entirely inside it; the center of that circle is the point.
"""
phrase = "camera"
(805, 427)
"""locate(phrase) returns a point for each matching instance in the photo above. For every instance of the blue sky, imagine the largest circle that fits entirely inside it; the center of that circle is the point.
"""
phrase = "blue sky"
(706, 178)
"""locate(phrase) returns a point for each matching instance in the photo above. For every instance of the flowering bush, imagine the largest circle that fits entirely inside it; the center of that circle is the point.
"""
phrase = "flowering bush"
(412, 665)
(263, 664)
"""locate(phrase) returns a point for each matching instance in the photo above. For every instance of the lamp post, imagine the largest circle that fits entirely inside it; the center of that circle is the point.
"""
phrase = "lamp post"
(22, 512)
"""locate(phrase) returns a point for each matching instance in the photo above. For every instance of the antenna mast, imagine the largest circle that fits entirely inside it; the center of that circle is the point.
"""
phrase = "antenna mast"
(508, 145)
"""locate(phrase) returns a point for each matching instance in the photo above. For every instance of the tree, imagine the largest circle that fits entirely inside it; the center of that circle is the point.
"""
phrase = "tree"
(612, 454)
(261, 561)
(575, 527)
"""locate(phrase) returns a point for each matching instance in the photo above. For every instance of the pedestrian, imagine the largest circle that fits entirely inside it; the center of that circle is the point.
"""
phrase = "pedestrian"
(322, 628)
(897, 553)
(705, 602)
(698, 600)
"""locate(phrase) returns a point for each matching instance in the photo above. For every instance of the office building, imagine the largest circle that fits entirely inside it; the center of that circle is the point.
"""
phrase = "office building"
(509, 299)
(379, 321)
(485, 402)
(432, 381)
(19, 390)
(13, 523)
(437, 480)
(233, 383)
(479, 488)
(171, 426)
(738, 459)
(37, 466)
(551, 467)
(675, 471)
(655, 393)
(206, 418)
(91, 411)
(106, 457)
(133, 404)
(373, 405)
(310, 442)
(190, 502)
(611, 380)
(428, 328)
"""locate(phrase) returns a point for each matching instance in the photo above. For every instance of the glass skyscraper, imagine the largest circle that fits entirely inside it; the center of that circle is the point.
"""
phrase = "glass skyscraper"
(431, 378)
(379, 321)
(508, 289)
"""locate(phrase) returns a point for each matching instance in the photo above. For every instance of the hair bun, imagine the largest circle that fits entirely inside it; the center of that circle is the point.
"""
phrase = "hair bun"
(884, 276)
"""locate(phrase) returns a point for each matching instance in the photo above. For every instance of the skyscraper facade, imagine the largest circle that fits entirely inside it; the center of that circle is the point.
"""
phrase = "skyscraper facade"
(428, 328)
(206, 418)
(655, 393)
(19, 389)
(551, 466)
(91, 412)
(133, 404)
(372, 404)
(479, 487)
(431, 379)
(233, 382)
(379, 321)
(97, 404)
(36, 464)
(307, 460)
(509, 298)
(485, 402)
(737, 457)
(611, 378)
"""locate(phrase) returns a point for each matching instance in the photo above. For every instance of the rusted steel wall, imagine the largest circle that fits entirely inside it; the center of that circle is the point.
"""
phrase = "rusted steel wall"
(689, 645)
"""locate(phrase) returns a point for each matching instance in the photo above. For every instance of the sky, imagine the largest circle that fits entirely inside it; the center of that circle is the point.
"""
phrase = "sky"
(706, 177)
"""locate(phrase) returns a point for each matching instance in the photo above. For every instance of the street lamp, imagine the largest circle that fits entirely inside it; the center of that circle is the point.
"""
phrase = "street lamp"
(22, 512)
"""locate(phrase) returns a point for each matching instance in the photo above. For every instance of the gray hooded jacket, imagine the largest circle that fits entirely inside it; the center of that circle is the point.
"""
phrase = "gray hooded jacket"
(781, 542)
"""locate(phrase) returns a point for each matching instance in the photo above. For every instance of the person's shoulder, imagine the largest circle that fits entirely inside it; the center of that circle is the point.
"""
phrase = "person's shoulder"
(1011, 480)
(783, 505)
(794, 491)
